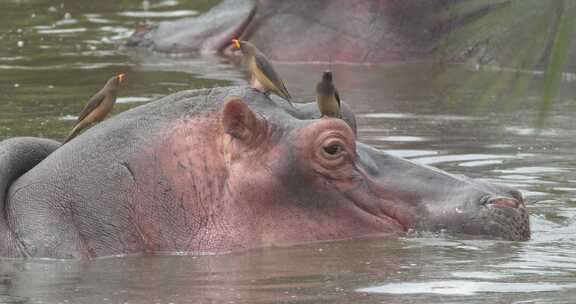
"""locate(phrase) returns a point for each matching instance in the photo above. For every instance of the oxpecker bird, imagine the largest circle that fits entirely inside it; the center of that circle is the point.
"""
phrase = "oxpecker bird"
(98, 106)
(327, 97)
(264, 77)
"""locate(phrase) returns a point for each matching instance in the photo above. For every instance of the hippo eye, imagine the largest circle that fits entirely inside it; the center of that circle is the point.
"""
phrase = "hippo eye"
(333, 149)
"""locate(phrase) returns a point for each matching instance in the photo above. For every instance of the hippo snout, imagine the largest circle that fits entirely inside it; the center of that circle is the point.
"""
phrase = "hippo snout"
(507, 218)
(436, 201)
(497, 213)
(484, 214)
(505, 213)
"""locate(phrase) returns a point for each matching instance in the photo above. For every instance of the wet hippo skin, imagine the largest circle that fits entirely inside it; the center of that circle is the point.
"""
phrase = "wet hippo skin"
(374, 31)
(229, 169)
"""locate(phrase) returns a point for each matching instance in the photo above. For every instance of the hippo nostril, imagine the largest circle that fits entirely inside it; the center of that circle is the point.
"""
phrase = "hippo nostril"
(504, 202)
(517, 195)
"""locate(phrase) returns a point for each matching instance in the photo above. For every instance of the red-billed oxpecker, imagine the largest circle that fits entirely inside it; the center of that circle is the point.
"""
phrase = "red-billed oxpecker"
(327, 97)
(98, 106)
(264, 77)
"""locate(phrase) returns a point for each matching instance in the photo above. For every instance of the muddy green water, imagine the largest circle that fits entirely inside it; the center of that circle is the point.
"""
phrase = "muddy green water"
(56, 54)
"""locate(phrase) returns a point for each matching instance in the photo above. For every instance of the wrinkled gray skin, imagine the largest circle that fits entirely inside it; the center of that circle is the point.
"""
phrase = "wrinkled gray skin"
(222, 170)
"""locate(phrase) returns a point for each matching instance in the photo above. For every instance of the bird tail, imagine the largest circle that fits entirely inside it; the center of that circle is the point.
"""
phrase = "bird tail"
(72, 134)
(284, 94)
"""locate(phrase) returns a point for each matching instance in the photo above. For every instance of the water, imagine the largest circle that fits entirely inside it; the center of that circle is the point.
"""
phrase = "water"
(56, 54)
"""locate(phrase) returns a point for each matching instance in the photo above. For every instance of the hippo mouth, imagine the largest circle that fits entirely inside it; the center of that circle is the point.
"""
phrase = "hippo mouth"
(376, 213)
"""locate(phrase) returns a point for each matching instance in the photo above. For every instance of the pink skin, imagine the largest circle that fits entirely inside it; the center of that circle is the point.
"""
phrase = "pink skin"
(234, 180)
(295, 191)
(291, 178)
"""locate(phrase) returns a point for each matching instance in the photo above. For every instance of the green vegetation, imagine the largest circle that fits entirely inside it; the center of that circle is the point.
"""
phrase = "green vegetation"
(523, 43)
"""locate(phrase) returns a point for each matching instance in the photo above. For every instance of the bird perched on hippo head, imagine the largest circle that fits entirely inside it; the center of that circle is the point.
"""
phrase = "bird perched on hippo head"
(263, 76)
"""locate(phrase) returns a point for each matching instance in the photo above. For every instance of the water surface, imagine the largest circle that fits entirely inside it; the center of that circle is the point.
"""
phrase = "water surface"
(56, 54)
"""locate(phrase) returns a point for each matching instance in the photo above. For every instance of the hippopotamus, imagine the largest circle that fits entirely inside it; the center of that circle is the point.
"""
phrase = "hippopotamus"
(366, 31)
(363, 31)
(227, 169)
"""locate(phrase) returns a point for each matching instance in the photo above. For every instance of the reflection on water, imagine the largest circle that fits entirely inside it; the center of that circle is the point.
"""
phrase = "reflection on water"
(464, 287)
(372, 270)
(58, 53)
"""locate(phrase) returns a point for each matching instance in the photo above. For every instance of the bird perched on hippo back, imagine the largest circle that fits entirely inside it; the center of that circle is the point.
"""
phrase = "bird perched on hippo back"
(264, 77)
(327, 97)
(98, 106)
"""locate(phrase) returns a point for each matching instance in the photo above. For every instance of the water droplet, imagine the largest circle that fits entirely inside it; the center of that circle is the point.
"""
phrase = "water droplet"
(16, 85)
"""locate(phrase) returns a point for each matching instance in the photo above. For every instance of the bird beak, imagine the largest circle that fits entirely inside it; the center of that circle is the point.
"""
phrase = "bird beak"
(236, 43)
(121, 77)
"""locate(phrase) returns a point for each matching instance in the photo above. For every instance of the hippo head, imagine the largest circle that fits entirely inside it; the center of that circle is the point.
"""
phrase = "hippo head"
(296, 180)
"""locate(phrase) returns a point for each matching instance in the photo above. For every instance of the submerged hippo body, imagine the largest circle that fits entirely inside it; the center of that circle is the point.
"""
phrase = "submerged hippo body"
(228, 169)
(365, 31)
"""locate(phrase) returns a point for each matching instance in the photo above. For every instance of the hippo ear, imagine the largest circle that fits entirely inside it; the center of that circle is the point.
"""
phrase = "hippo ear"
(239, 120)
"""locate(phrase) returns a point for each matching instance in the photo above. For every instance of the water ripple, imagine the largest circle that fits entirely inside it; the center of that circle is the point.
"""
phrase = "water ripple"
(397, 138)
(132, 99)
(149, 14)
(459, 158)
(420, 116)
(532, 170)
(463, 287)
(63, 31)
(407, 153)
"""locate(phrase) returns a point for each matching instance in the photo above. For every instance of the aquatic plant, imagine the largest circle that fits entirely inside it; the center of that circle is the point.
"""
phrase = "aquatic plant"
(523, 43)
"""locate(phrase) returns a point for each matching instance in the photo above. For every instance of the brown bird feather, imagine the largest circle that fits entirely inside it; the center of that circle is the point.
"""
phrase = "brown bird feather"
(327, 97)
(262, 70)
(97, 107)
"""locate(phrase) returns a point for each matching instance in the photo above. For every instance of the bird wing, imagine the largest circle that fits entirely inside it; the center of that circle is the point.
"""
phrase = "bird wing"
(338, 100)
(93, 103)
(266, 67)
